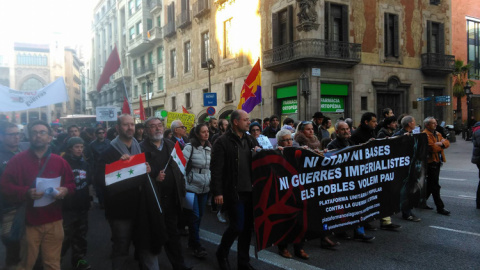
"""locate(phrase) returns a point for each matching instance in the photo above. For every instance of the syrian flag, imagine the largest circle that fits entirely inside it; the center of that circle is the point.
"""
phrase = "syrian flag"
(178, 157)
(120, 174)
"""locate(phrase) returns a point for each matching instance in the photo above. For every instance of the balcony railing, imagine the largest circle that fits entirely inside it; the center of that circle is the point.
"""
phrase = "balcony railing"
(143, 70)
(184, 19)
(200, 8)
(155, 5)
(437, 63)
(169, 29)
(312, 50)
(155, 34)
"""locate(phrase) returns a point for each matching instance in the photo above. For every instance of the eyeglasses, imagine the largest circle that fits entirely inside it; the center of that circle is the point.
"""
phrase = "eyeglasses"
(287, 140)
(184, 127)
(36, 133)
(16, 134)
(153, 126)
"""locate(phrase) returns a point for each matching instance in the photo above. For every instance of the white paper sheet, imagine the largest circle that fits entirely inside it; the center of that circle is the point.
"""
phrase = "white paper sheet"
(42, 185)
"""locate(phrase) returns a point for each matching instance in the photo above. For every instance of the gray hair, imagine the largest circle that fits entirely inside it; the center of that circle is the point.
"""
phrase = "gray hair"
(340, 122)
(175, 124)
(282, 133)
(151, 118)
(349, 122)
(427, 120)
(406, 120)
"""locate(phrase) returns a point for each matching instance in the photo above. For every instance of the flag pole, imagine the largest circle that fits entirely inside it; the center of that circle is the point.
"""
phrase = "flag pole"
(125, 87)
(154, 193)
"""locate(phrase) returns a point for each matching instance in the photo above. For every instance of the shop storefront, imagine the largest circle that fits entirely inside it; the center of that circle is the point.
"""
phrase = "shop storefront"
(288, 102)
(334, 100)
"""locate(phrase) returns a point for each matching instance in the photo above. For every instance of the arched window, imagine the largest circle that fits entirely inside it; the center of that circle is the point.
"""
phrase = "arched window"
(31, 84)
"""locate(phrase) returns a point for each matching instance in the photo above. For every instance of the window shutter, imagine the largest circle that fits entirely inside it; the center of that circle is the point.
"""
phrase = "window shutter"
(429, 36)
(289, 23)
(345, 20)
(275, 31)
(396, 38)
(328, 21)
(387, 34)
(441, 38)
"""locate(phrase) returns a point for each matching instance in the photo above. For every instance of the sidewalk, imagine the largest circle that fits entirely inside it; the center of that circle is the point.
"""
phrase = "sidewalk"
(458, 156)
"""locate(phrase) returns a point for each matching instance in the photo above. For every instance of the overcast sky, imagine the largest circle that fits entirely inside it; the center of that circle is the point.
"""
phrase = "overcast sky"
(36, 21)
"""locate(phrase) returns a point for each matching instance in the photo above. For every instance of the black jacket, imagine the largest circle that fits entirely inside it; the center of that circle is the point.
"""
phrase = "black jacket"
(152, 154)
(123, 204)
(270, 132)
(224, 166)
(338, 144)
(362, 134)
(80, 200)
(383, 133)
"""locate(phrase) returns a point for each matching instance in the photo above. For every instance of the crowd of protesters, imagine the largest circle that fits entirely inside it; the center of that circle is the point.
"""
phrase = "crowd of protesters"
(218, 173)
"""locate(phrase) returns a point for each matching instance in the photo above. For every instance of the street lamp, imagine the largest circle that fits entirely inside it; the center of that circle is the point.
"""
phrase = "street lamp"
(149, 85)
(209, 64)
(468, 93)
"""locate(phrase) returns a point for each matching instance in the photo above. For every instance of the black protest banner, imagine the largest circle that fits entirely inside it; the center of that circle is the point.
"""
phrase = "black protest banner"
(299, 194)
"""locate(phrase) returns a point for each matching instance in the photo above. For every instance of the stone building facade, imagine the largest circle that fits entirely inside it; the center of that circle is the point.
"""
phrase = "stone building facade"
(347, 57)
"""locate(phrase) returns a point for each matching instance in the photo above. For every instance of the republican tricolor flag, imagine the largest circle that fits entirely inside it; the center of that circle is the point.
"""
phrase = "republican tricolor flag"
(120, 171)
(178, 157)
(251, 94)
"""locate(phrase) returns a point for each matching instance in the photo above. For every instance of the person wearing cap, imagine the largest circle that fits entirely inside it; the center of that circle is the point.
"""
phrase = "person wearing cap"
(317, 120)
(75, 207)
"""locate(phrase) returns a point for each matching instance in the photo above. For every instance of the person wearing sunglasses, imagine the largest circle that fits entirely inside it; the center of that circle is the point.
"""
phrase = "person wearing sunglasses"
(256, 132)
(305, 136)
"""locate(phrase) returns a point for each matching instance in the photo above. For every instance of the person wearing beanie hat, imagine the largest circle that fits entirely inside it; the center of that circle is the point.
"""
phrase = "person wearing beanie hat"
(256, 131)
(75, 207)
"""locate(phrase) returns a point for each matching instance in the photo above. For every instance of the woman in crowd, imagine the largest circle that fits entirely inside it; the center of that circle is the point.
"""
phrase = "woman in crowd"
(256, 132)
(198, 152)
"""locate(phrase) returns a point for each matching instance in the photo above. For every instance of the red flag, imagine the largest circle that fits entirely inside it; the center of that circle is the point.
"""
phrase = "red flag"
(111, 66)
(126, 107)
(142, 110)
(184, 110)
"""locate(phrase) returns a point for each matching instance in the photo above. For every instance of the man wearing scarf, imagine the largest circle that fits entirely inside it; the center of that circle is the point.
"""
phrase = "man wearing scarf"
(121, 207)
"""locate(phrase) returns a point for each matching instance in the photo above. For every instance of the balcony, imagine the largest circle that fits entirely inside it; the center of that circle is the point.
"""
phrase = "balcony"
(155, 5)
(312, 51)
(143, 70)
(155, 34)
(437, 64)
(138, 44)
(201, 8)
(169, 29)
(184, 19)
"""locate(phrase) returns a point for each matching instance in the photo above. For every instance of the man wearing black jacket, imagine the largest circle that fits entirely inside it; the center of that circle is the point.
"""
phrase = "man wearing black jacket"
(231, 186)
(366, 130)
(170, 184)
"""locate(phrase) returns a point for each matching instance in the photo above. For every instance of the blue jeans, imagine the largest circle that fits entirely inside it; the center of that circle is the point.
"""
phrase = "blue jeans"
(199, 203)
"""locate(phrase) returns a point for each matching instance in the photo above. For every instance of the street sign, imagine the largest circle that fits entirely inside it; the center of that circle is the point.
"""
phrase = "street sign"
(316, 72)
(209, 99)
(211, 111)
(424, 99)
(442, 98)
(106, 113)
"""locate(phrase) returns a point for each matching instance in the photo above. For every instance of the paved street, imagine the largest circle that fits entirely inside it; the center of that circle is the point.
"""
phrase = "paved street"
(437, 242)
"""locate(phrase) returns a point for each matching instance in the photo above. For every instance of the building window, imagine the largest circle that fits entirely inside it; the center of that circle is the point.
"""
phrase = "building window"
(135, 65)
(139, 28)
(131, 7)
(363, 103)
(228, 92)
(205, 47)
(282, 27)
(142, 62)
(159, 21)
(150, 58)
(174, 104)
(391, 35)
(135, 91)
(336, 22)
(435, 2)
(188, 101)
(138, 3)
(435, 37)
(173, 64)
(227, 39)
(149, 24)
(160, 55)
(187, 59)
(160, 84)
(473, 30)
(144, 88)
(132, 33)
